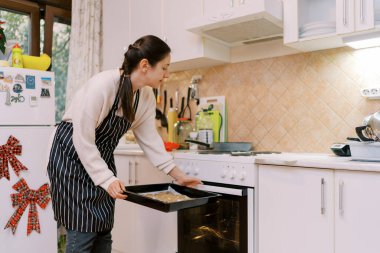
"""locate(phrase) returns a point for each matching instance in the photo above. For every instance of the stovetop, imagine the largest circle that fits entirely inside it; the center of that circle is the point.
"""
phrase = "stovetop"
(236, 153)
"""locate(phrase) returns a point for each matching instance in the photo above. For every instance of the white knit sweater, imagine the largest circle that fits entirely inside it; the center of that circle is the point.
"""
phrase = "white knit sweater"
(90, 106)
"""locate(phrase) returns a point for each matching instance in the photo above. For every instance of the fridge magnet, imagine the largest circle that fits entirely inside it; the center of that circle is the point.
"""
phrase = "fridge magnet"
(22, 200)
(46, 80)
(17, 99)
(8, 153)
(30, 82)
(19, 78)
(17, 88)
(45, 93)
(8, 79)
(3, 87)
(33, 101)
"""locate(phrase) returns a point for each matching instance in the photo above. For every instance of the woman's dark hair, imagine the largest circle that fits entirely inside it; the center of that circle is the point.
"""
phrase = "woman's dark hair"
(148, 47)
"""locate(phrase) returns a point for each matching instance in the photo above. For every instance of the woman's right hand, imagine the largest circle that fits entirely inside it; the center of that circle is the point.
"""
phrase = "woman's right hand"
(116, 189)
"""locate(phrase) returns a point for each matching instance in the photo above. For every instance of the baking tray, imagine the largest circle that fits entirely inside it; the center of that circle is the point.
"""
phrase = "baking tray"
(198, 197)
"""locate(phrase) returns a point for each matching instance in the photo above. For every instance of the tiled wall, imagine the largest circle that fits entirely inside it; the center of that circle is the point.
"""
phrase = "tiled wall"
(296, 103)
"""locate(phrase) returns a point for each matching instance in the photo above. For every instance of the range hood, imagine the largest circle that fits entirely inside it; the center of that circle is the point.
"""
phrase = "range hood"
(248, 23)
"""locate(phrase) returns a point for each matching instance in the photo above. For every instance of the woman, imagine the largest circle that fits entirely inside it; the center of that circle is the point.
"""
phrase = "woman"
(81, 168)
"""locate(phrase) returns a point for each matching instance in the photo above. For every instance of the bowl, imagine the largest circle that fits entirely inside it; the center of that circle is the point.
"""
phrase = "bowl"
(35, 62)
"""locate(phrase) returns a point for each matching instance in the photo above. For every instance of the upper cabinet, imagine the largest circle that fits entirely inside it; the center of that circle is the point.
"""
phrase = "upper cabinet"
(145, 16)
(189, 50)
(124, 21)
(115, 32)
(313, 25)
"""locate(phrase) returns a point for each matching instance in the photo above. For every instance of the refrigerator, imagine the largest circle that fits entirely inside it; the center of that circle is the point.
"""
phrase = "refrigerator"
(27, 118)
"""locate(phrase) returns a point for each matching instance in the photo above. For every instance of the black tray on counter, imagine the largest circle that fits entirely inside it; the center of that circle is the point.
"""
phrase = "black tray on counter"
(198, 197)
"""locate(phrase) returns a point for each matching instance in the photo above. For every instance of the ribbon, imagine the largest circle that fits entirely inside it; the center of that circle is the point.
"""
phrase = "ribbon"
(22, 199)
(8, 153)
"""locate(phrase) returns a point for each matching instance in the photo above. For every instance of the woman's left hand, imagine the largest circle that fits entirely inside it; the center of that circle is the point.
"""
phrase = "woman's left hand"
(189, 181)
(183, 179)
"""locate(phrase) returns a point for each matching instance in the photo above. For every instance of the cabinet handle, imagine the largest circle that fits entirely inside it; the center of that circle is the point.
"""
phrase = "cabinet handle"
(136, 181)
(323, 196)
(345, 12)
(231, 3)
(129, 172)
(341, 211)
(361, 10)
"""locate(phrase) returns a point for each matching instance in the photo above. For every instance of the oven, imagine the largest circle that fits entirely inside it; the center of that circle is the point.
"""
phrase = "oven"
(226, 225)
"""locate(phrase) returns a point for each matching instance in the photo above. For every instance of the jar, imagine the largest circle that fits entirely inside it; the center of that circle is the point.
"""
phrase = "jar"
(205, 127)
(182, 129)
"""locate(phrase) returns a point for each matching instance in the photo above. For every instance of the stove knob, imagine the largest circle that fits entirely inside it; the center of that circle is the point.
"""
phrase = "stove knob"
(242, 176)
(186, 170)
(224, 173)
(233, 174)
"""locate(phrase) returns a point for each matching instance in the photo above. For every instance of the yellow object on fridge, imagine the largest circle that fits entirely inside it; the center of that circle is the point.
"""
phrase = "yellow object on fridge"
(34, 62)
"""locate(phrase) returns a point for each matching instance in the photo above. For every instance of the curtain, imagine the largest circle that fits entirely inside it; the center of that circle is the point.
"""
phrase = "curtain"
(86, 56)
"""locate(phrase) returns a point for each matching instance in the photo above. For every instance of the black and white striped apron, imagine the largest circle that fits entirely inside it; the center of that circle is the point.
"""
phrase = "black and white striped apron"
(77, 203)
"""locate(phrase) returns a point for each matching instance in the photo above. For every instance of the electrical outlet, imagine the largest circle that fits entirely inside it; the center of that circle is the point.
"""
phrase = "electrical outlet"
(371, 92)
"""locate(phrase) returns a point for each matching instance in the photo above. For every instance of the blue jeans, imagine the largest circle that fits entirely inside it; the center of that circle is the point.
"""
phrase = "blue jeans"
(88, 242)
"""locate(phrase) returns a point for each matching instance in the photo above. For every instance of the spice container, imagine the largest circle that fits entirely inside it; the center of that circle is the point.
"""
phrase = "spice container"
(182, 129)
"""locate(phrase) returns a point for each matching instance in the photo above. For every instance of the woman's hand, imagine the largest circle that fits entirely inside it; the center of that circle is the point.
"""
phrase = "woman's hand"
(188, 181)
(116, 189)
(183, 179)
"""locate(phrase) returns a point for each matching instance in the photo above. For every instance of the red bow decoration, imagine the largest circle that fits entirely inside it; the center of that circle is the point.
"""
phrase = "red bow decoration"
(8, 153)
(22, 199)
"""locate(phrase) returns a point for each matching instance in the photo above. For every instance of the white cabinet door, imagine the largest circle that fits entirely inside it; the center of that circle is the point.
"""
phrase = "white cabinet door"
(145, 16)
(123, 235)
(185, 45)
(296, 210)
(357, 214)
(354, 15)
(211, 7)
(146, 173)
(345, 16)
(364, 15)
(116, 36)
(137, 228)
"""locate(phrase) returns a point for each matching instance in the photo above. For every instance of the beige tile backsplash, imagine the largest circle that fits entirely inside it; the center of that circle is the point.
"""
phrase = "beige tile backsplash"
(296, 103)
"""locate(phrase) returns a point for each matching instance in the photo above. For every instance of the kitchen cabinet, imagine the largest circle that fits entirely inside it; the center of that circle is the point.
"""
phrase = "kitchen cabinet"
(354, 15)
(290, 210)
(357, 219)
(145, 17)
(137, 228)
(296, 210)
(189, 50)
(115, 32)
(314, 25)
(126, 21)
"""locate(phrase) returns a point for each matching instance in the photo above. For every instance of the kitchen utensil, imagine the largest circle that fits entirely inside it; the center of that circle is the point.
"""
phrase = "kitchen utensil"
(187, 107)
(164, 121)
(223, 146)
(180, 114)
(341, 149)
(171, 103)
(158, 112)
(370, 131)
(136, 194)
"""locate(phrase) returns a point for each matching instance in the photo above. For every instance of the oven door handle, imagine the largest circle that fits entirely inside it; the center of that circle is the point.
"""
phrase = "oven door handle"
(223, 190)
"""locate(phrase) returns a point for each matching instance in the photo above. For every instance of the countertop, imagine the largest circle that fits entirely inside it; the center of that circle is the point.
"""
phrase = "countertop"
(309, 160)
(317, 160)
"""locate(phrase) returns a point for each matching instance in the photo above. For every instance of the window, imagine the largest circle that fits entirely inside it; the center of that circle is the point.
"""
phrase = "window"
(42, 26)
